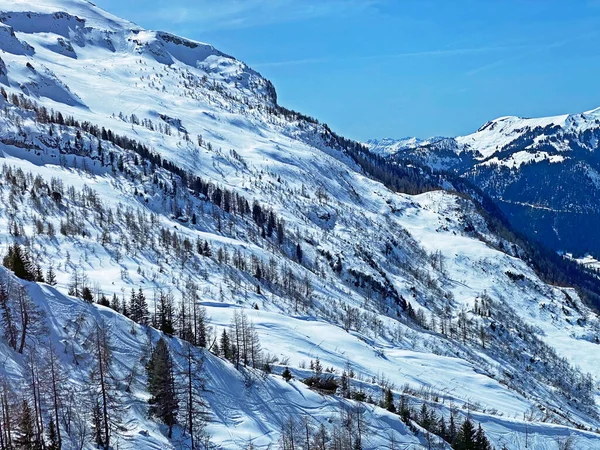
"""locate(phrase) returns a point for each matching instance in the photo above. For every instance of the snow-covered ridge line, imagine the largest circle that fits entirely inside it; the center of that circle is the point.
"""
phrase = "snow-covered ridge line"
(551, 161)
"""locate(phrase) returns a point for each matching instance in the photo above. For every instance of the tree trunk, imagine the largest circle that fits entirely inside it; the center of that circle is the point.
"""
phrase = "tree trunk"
(103, 388)
(7, 418)
(24, 319)
(55, 397)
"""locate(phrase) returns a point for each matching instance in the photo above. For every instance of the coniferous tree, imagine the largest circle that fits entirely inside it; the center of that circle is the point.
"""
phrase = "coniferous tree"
(481, 440)
(271, 224)
(191, 383)
(6, 416)
(320, 439)
(51, 277)
(442, 429)
(452, 431)
(388, 402)
(286, 374)
(142, 308)
(133, 307)
(53, 442)
(165, 313)
(55, 379)
(26, 439)
(465, 439)
(101, 376)
(97, 424)
(424, 417)
(200, 326)
(39, 276)
(79, 280)
(9, 321)
(115, 304)
(103, 300)
(30, 318)
(138, 307)
(34, 385)
(86, 294)
(299, 253)
(226, 346)
(345, 385)
(19, 262)
(161, 385)
(318, 367)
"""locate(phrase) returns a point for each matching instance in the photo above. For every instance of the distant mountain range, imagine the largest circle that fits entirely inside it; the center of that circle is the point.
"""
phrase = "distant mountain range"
(543, 173)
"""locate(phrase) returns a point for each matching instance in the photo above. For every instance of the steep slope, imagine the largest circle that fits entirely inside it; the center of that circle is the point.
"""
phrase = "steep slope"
(135, 159)
(543, 173)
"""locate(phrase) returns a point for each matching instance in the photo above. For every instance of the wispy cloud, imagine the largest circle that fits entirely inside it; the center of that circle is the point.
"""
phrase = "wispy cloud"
(530, 51)
(391, 56)
(210, 15)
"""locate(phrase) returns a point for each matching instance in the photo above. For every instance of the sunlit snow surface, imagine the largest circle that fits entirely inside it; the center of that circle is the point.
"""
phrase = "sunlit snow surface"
(94, 66)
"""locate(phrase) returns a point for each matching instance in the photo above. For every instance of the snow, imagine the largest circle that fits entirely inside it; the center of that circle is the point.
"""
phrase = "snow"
(500, 132)
(389, 146)
(110, 66)
(496, 135)
(517, 159)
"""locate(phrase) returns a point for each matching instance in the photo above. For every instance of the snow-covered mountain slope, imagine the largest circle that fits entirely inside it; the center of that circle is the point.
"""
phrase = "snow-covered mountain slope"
(134, 159)
(389, 146)
(543, 173)
(498, 135)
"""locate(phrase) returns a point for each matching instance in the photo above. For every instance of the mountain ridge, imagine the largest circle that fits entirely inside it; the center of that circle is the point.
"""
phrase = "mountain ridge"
(541, 172)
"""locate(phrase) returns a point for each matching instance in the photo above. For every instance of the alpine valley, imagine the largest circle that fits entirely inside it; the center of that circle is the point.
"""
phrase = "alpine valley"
(188, 264)
(542, 173)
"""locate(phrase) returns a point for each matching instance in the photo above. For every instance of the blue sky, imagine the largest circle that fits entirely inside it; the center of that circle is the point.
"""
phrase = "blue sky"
(384, 68)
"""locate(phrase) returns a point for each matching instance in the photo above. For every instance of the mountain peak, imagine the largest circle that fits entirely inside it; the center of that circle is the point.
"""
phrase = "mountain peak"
(93, 15)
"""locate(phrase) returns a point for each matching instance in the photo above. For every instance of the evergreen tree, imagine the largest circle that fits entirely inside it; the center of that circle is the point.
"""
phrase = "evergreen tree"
(19, 262)
(100, 376)
(138, 307)
(388, 402)
(142, 308)
(165, 313)
(452, 432)
(161, 385)
(191, 386)
(104, 301)
(481, 440)
(115, 304)
(39, 276)
(200, 320)
(8, 319)
(345, 385)
(86, 294)
(299, 253)
(442, 429)
(286, 374)
(206, 251)
(271, 224)
(26, 439)
(52, 437)
(51, 277)
(133, 306)
(318, 368)
(465, 439)
(425, 417)
(226, 346)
